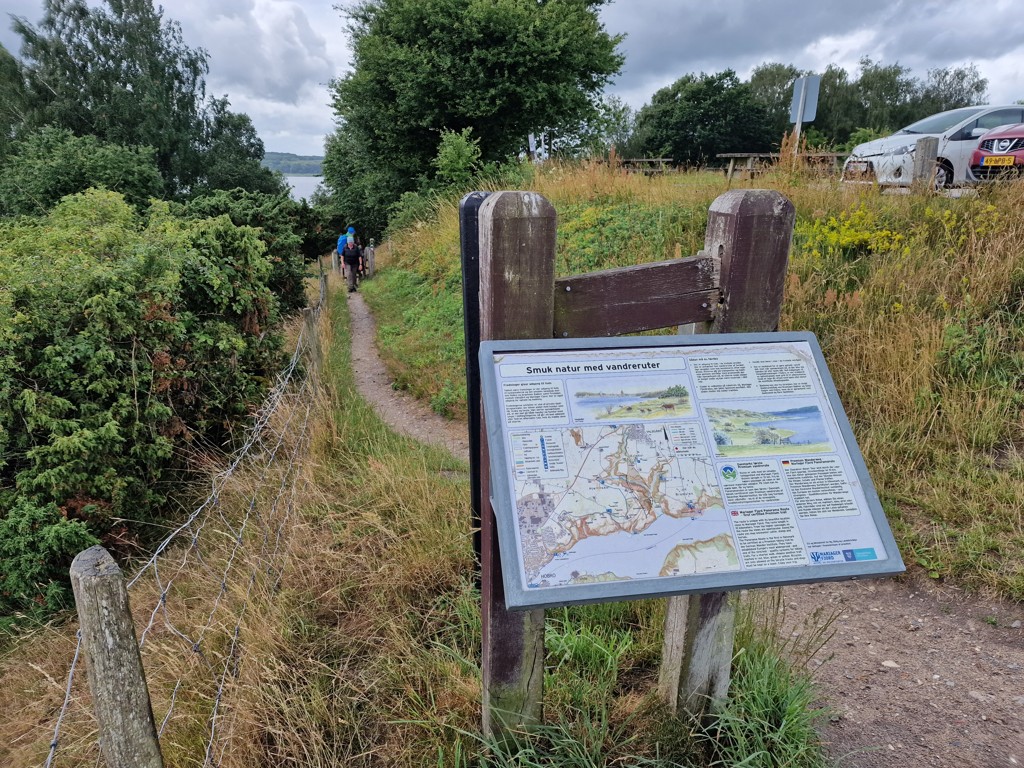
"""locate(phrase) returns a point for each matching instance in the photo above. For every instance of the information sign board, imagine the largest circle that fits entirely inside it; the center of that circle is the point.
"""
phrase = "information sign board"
(651, 466)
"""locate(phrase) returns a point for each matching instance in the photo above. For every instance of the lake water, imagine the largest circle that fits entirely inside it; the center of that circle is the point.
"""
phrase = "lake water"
(303, 186)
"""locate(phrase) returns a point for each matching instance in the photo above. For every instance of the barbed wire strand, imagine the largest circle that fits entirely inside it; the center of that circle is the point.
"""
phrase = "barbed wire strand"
(67, 700)
(263, 415)
(233, 658)
(165, 587)
(289, 508)
(196, 645)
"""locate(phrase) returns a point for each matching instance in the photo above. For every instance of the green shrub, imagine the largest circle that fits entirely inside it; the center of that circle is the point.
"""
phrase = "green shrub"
(278, 221)
(52, 163)
(37, 545)
(124, 346)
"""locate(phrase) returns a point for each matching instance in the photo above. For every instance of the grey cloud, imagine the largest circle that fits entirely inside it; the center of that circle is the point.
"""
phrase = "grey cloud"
(668, 40)
(270, 52)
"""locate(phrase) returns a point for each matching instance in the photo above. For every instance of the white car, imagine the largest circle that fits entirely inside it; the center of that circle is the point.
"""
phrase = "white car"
(889, 162)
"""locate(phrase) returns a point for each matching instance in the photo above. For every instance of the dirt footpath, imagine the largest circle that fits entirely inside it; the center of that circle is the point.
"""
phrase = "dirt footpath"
(916, 675)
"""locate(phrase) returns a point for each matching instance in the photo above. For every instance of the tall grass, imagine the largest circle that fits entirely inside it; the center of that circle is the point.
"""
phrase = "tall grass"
(916, 301)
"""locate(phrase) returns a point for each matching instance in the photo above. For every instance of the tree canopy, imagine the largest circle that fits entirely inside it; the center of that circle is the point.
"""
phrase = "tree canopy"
(123, 73)
(699, 116)
(504, 69)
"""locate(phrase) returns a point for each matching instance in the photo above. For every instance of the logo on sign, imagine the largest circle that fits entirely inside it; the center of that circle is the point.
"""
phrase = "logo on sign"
(827, 556)
(729, 472)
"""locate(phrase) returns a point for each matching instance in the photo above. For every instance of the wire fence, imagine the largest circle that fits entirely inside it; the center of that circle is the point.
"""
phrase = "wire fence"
(192, 641)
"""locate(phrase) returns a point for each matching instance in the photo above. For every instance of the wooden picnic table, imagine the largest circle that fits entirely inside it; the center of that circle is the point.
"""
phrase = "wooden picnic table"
(750, 157)
(645, 165)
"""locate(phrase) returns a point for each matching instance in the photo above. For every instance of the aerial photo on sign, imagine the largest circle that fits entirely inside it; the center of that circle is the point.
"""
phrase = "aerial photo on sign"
(645, 465)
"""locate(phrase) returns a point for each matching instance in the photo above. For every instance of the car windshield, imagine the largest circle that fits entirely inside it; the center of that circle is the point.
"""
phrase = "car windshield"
(941, 122)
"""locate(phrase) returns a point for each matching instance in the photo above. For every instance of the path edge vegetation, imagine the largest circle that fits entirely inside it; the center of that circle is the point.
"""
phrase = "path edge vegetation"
(396, 640)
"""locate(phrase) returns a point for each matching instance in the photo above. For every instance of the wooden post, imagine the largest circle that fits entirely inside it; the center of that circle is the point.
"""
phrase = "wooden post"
(369, 257)
(926, 154)
(335, 261)
(127, 733)
(749, 234)
(309, 317)
(517, 280)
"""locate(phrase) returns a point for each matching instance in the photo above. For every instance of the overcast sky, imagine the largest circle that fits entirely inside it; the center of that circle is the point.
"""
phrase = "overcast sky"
(274, 58)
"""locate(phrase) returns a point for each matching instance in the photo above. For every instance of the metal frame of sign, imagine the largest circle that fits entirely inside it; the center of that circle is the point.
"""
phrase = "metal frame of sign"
(518, 596)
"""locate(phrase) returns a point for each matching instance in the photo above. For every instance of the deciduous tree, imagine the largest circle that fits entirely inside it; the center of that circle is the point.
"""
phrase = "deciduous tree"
(952, 87)
(504, 68)
(122, 72)
(699, 116)
(771, 84)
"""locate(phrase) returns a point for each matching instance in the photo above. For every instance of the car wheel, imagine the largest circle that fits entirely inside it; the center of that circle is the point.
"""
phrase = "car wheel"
(943, 178)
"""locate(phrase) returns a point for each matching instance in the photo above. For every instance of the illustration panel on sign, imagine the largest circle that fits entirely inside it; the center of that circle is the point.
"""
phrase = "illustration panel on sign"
(768, 429)
(656, 397)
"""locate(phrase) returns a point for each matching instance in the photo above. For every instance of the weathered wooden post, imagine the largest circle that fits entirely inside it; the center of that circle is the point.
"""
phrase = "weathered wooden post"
(734, 285)
(926, 154)
(335, 261)
(517, 261)
(748, 235)
(127, 733)
(309, 317)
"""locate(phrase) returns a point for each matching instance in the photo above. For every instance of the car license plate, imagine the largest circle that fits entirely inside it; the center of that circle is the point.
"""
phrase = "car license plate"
(857, 167)
(997, 160)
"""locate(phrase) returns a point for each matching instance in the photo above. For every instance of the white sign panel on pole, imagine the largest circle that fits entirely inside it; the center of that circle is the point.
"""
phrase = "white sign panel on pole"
(804, 107)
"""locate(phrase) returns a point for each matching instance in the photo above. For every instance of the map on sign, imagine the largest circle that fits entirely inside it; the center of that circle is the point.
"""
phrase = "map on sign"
(621, 501)
(647, 467)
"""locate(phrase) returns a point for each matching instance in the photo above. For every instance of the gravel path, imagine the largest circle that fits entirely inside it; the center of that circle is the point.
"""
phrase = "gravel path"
(402, 412)
(917, 675)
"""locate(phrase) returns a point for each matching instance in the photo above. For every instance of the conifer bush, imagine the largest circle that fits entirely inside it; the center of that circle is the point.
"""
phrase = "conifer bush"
(128, 343)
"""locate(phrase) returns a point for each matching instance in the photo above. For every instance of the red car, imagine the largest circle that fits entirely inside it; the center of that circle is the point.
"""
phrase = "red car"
(1000, 154)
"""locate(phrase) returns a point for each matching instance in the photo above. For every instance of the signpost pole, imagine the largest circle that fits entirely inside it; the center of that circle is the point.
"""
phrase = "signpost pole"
(469, 231)
(517, 281)
(800, 115)
(749, 233)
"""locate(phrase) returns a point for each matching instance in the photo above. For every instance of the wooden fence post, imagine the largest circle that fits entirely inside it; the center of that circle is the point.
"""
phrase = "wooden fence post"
(517, 263)
(127, 733)
(748, 234)
(309, 316)
(369, 257)
(926, 154)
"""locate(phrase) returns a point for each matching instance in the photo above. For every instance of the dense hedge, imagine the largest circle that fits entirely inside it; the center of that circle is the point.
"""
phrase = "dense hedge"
(127, 343)
(276, 217)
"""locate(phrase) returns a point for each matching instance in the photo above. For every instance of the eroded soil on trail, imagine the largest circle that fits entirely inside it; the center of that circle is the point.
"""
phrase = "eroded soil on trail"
(915, 675)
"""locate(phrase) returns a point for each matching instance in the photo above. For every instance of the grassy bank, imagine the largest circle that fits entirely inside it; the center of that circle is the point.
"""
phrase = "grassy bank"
(916, 301)
(366, 650)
